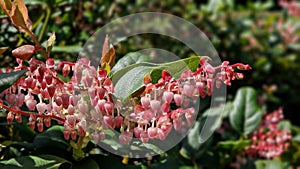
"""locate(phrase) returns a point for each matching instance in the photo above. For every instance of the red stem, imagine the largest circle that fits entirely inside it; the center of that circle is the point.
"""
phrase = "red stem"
(29, 114)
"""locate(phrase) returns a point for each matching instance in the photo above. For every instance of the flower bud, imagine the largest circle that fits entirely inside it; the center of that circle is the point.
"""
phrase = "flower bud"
(145, 101)
(24, 52)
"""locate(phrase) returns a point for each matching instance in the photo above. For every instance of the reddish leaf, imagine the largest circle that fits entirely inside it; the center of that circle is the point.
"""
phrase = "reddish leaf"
(6, 6)
(24, 52)
(108, 53)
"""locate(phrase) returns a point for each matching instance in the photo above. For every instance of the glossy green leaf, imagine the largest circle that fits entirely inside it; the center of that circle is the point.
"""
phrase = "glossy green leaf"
(37, 162)
(129, 80)
(269, 164)
(130, 59)
(194, 146)
(52, 137)
(8, 79)
(246, 114)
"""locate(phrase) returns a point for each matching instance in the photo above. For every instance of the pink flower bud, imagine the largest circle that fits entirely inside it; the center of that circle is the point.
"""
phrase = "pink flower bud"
(40, 126)
(152, 132)
(118, 121)
(145, 101)
(155, 105)
(71, 120)
(137, 131)
(73, 100)
(73, 135)
(178, 98)
(50, 63)
(101, 93)
(43, 84)
(109, 121)
(32, 125)
(109, 107)
(78, 75)
(108, 85)
(10, 117)
(168, 96)
(71, 109)
(161, 134)
(41, 71)
(92, 93)
(144, 136)
(102, 74)
(65, 100)
(177, 123)
(56, 107)
(58, 101)
(31, 104)
(45, 94)
(96, 137)
(10, 98)
(102, 135)
(48, 79)
(66, 70)
(87, 81)
(81, 131)
(20, 99)
(166, 76)
(67, 134)
(165, 107)
(100, 105)
(28, 82)
(188, 89)
(41, 107)
(83, 107)
(94, 102)
(47, 122)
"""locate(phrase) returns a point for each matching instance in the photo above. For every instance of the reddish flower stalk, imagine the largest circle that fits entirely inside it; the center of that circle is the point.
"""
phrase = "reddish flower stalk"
(32, 114)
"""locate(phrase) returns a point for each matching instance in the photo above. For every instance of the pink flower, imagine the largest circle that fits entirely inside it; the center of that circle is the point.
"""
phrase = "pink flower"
(268, 140)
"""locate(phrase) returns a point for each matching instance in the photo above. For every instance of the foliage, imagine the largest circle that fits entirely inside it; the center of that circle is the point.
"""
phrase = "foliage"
(263, 34)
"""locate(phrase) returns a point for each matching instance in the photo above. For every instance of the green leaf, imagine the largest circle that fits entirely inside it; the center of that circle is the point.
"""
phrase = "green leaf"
(195, 144)
(50, 42)
(52, 137)
(67, 49)
(153, 148)
(269, 164)
(86, 163)
(235, 146)
(8, 79)
(129, 80)
(284, 125)
(246, 114)
(37, 162)
(130, 59)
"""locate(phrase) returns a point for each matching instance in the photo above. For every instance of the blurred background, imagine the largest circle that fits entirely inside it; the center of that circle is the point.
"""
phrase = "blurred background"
(263, 34)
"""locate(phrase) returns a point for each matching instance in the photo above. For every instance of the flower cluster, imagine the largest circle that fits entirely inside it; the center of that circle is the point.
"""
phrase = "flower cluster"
(269, 140)
(169, 103)
(292, 6)
(86, 104)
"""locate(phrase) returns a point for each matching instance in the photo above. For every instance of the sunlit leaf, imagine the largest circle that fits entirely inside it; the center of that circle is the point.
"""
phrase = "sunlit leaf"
(8, 79)
(246, 114)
